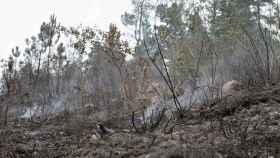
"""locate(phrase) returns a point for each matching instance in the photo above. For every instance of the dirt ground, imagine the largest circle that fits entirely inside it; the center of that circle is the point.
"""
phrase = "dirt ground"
(245, 126)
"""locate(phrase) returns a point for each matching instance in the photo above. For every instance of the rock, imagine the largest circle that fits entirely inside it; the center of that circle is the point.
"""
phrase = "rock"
(147, 156)
(126, 130)
(61, 133)
(23, 148)
(102, 130)
(94, 137)
(231, 88)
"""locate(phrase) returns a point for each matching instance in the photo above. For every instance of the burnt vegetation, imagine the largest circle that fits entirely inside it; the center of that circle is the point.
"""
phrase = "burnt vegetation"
(198, 79)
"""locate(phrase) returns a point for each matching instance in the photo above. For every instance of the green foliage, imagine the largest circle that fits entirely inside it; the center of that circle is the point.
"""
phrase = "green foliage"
(229, 17)
(141, 20)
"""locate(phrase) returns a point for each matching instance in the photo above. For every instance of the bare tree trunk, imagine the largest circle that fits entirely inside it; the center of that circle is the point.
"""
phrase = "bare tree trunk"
(166, 77)
(48, 72)
(262, 33)
(38, 69)
(6, 115)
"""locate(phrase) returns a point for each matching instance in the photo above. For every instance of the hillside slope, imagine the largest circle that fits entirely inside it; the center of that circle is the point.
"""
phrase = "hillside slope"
(236, 126)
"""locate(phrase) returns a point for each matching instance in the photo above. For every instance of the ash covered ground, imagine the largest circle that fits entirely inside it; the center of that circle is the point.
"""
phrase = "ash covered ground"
(247, 125)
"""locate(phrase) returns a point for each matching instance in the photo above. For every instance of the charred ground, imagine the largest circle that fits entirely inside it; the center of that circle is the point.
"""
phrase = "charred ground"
(235, 126)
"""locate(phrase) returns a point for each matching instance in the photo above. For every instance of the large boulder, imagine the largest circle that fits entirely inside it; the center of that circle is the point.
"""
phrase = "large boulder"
(232, 88)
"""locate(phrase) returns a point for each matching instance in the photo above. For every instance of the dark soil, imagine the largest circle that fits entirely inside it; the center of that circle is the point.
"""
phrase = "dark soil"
(245, 126)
